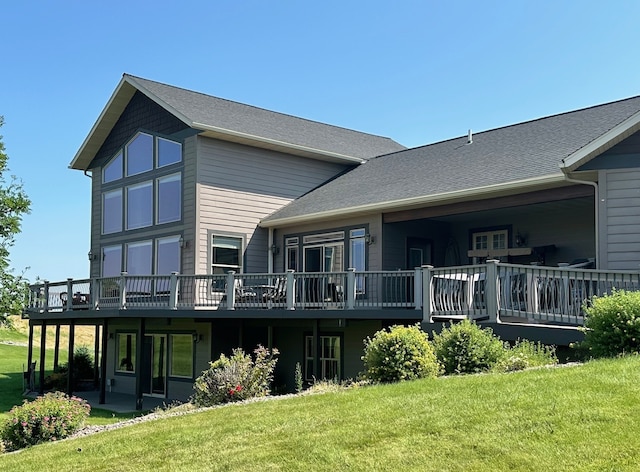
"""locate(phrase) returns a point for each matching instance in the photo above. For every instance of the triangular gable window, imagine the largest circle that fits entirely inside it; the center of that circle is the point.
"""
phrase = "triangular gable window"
(113, 170)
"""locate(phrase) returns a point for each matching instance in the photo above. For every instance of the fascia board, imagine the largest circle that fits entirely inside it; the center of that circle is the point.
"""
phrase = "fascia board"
(547, 180)
(274, 143)
(602, 143)
(103, 125)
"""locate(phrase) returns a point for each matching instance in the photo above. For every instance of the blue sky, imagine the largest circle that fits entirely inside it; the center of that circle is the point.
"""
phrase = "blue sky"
(416, 71)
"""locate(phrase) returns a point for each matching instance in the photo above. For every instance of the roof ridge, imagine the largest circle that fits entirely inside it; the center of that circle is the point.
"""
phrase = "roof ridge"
(260, 108)
(512, 125)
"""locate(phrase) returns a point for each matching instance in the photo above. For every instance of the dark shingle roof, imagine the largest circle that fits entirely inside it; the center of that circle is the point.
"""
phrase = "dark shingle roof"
(530, 150)
(199, 108)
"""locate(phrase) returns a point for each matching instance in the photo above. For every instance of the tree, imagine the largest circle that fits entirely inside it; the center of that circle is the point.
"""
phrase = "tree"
(14, 203)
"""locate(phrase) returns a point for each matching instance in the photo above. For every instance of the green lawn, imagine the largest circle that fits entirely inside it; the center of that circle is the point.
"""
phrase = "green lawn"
(563, 419)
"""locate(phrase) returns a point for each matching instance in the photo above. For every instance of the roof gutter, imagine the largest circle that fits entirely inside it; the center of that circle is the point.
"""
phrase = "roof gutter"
(275, 142)
(547, 180)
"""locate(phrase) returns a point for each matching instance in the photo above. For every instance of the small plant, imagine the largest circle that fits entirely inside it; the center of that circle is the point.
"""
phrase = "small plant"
(465, 348)
(399, 353)
(526, 354)
(298, 377)
(235, 378)
(48, 418)
(612, 325)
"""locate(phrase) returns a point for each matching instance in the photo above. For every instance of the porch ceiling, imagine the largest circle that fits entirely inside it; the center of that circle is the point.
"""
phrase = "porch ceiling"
(461, 208)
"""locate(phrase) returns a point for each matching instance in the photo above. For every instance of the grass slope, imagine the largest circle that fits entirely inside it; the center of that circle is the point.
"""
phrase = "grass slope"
(576, 418)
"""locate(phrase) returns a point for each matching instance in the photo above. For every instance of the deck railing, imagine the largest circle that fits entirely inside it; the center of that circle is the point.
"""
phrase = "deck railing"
(492, 291)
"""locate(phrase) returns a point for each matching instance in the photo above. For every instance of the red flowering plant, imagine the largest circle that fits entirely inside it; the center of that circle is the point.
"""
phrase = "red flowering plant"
(236, 378)
(48, 418)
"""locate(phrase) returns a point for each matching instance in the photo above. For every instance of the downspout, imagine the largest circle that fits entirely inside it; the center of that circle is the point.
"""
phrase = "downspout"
(597, 212)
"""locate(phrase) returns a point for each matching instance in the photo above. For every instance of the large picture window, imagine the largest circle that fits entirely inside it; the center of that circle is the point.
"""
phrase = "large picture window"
(181, 355)
(169, 152)
(169, 204)
(139, 263)
(111, 261)
(113, 170)
(112, 211)
(139, 154)
(140, 205)
(126, 349)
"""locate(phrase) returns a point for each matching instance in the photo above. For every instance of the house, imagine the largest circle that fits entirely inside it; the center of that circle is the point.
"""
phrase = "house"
(216, 225)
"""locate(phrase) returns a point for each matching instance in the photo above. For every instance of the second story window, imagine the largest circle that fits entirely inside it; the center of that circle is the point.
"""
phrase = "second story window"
(140, 205)
(128, 203)
(226, 254)
(139, 154)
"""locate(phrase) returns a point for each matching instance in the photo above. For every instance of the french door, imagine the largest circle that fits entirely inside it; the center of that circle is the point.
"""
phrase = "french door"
(154, 375)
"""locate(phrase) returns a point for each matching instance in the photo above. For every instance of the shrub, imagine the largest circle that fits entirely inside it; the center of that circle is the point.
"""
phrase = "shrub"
(465, 348)
(82, 370)
(235, 378)
(526, 354)
(48, 418)
(399, 353)
(612, 325)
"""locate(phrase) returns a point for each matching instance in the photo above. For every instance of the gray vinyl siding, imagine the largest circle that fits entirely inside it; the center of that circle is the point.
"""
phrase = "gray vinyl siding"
(620, 219)
(189, 204)
(239, 185)
(623, 155)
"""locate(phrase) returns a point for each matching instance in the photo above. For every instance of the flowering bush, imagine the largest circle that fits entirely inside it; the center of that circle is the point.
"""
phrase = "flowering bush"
(465, 348)
(235, 378)
(48, 418)
(401, 353)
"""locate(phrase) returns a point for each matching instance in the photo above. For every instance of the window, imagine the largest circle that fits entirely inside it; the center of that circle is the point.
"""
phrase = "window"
(139, 154)
(112, 211)
(181, 355)
(167, 259)
(126, 349)
(139, 205)
(292, 253)
(169, 205)
(490, 240)
(139, 263)
(330, 357)
(169, 152)
(113, 170)
(357, 253)
(226, 254)
(111, 261)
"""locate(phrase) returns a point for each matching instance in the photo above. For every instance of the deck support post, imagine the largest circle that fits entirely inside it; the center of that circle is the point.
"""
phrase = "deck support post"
(43, 350)
(103, 362)
(96, 356)
(138, 367)
(56, 352)
(32, 374)
(426, 293)
(491, 290)
(317, 349)
(72, 335)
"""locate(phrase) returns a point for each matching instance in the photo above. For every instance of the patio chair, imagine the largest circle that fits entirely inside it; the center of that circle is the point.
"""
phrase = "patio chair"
(277, 293)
